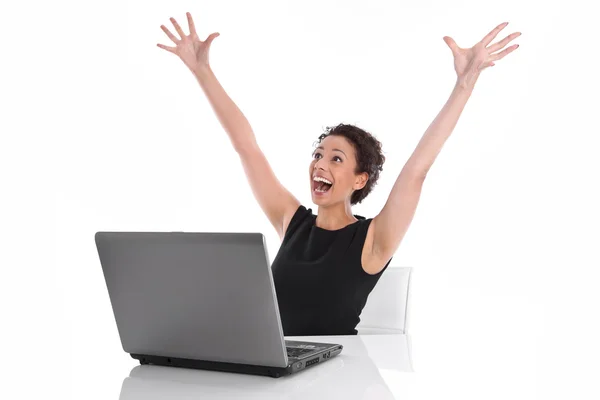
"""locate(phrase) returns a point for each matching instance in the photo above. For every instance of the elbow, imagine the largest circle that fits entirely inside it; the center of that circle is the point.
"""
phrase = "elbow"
(417, 173)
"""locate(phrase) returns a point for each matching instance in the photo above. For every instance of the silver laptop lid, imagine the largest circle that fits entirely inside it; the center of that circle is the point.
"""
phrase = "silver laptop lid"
(206, 296)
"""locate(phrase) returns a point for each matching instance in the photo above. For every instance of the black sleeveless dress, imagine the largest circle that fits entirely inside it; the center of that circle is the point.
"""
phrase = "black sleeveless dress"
(320, 284)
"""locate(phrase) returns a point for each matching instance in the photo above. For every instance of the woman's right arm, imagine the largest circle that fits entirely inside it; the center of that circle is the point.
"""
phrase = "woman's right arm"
(230, 116)
(275, 200)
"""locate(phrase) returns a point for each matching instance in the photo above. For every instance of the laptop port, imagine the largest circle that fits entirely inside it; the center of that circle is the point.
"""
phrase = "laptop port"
(311, 362)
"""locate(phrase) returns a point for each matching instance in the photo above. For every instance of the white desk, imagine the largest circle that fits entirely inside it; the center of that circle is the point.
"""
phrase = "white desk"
(354, 374)
(481, 362)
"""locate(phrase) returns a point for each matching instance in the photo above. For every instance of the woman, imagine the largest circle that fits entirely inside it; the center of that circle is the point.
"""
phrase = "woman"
(328, 263)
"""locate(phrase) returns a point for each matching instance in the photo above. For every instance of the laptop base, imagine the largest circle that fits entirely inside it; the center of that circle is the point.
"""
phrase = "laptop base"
(274, 372)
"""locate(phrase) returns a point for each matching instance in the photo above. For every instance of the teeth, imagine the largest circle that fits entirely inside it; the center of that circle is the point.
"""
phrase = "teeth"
(319, 179)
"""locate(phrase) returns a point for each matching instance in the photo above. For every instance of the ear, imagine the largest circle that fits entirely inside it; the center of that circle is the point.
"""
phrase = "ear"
(361, 181)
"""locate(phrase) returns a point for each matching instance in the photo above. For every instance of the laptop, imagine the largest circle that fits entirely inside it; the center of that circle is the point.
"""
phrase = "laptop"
(202, 300)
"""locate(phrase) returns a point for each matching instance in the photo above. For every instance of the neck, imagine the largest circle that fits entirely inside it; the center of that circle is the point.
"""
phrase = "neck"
(335, 217)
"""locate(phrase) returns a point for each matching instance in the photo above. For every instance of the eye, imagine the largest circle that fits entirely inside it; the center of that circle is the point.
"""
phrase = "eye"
(316, 154)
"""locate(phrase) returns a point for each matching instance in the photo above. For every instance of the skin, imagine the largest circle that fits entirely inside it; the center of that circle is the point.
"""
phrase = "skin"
(389, 226)
(334, 208)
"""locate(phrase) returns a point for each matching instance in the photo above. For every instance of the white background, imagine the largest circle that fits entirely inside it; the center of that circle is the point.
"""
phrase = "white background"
(102, 130)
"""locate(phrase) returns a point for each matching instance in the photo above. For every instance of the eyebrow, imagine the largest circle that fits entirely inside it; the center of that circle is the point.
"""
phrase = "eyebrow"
(321, 147)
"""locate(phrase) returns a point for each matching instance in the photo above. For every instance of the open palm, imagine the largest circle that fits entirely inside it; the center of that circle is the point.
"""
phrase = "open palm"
(469, 62)
(190, 49)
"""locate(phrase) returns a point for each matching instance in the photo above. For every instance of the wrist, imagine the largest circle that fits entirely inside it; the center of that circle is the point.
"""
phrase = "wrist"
(202, 71)
(467, 80)
(465, 84)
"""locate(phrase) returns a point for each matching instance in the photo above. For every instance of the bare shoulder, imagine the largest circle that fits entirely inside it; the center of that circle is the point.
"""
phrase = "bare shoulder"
(289, 212)
(372, 263)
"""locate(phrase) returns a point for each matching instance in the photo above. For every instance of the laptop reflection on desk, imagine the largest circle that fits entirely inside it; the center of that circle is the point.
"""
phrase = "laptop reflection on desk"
(353, 376)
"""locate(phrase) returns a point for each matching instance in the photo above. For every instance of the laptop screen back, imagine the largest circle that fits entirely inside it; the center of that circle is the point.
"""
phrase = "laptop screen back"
(205, 296)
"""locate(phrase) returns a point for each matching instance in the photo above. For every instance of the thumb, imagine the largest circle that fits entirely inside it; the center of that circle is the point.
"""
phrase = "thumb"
(212, 37)
(451, 43)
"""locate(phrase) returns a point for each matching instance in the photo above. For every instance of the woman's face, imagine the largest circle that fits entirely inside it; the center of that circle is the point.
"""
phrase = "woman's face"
(335, 160)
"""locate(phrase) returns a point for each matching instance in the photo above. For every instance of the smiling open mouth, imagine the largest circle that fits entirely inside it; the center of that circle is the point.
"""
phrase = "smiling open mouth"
(321, 187)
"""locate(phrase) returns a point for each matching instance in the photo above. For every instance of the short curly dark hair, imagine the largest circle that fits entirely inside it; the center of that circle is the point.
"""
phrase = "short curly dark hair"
(369, 156)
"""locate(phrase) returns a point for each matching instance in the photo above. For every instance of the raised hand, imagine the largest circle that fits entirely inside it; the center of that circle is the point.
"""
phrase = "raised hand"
(192, 51)
(469, 62)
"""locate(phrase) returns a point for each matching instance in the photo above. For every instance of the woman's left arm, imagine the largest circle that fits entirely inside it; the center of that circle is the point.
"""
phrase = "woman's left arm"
(391, 224)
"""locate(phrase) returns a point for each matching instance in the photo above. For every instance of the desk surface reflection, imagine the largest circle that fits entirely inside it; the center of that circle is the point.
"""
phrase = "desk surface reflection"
(354, 374)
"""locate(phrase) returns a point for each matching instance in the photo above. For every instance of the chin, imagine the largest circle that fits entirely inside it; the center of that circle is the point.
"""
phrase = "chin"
(320, 198)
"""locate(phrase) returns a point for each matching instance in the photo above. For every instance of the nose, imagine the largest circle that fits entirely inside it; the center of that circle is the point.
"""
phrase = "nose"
(317, 164)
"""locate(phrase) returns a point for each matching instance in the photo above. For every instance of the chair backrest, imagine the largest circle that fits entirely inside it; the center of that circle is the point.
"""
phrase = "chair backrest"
(387, 306)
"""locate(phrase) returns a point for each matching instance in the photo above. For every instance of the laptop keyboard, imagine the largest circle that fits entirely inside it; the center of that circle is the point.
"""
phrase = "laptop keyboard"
(297, 352)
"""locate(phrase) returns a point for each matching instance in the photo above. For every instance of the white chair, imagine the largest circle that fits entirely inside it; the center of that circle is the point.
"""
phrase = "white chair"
(387, 306)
